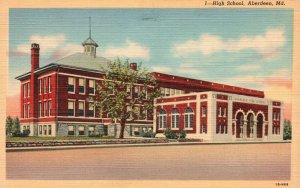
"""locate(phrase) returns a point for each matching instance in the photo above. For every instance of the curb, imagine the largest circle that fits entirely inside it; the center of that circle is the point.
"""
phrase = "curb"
(22, 149)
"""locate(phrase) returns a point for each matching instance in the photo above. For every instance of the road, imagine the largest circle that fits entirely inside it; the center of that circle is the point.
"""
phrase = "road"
(193, 162)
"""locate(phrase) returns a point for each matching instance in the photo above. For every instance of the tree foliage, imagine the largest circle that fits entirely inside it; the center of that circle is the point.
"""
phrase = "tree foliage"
(287, 130)
(126, 95)
(12, 125)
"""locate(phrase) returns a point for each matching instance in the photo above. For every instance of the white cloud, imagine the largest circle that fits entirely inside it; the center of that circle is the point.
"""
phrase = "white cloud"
(249, 67)
(130, 50)
(268, 45)
(47, 43)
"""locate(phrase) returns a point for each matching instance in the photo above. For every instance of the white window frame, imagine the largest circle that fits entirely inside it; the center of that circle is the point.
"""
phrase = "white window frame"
(74, 84)
(224, 111)
(49, 130)
(28, 110)
(49, 103)
(129, 89)
(28, 89)
(162, 118)
(45, 85)
(82, 101)
(40, 86)
(174, 121)
(187, 115)
(94, 86)
(202, 111)
(93, 109)
(40, 108)
(80, 85)
(24, 91)
(45, 105)
(73, 101)
(49, 84)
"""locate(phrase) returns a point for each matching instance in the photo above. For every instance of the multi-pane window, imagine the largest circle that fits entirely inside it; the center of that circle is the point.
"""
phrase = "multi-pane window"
(162, 119)
(40, 130)
(44, 85)
(91, 87)
(40, 109)
(71, 130)
(224, 112)
(81, 130)
(204, 111)
(24, 111)
(81, 87)
(49, 130)
(28, 110)
(188, 118)
(81, 108)
(91, 130)
(45, 129)
(167, 91)
(49, 84)
(45, 108)
(71, 85)
(71, 108)
(24, 91)
(136, 91)
(175, 118)
(203, 128)
(91, 112)
(172, 92)
(28, 89)
(219, 111)
(50, 108)
(40, 86)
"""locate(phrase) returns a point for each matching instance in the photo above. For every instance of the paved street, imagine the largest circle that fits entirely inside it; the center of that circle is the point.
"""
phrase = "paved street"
(198, 162)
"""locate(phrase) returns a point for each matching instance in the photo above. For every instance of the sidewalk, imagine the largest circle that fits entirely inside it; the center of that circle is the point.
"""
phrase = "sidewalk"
(21, 149)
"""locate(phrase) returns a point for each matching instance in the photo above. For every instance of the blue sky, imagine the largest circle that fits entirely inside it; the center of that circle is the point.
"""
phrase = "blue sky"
(244, 47)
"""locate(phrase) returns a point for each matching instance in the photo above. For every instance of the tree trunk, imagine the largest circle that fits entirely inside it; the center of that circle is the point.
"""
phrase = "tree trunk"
(122, 124)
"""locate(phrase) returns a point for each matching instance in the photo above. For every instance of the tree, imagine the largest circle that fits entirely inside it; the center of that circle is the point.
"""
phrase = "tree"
(16, 125)
(287, 130)
(9, 124)
(125, 95)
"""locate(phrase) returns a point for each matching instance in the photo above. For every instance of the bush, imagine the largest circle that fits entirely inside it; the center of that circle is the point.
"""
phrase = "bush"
(170, 134)
(287, 130)
(182, 134)
(18, 133)
(96, 134)
(149, 134)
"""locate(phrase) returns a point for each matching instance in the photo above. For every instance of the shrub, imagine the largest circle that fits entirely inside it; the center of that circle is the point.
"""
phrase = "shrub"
(18, 133)
(182, 134)
(26, 133)
(149, 134)
(287, 130)
(96, 134)
(170, 134)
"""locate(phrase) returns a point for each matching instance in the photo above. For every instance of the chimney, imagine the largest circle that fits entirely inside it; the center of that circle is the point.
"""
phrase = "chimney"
(133, 66)
(35, 56)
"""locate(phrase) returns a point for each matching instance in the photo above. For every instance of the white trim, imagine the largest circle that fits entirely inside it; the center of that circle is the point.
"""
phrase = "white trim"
(84, 86)
(175, 102)
(25, 82)
(70, 92)
(74, 102)
(83, 107)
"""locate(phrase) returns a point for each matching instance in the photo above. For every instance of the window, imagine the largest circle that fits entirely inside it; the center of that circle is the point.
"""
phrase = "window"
(45, 86)
(188, 118)
(49, 108)
(204, 111)
(145, 92)
(71, 108)
(81, 108)
(144, 114)
(162, 119)
(40, 109)
(49, 130)
(40, 130)
(81, 87)
(177, 92)
(91, 130)
(225, 129)
(224, 112)
(71, 85)
(71, 130)
(91, 112)
(24, 110)
(28, 110)
(167, 91)
(40, 86)
(136, 91)
(45, 108)
(92, 87)
(128, 90)
(81, 130)
(162, 91)
(49, 84)
(175, 118)
(45, 129)
(24, 90)
(172, 92)
(28, 89)
(219, 111)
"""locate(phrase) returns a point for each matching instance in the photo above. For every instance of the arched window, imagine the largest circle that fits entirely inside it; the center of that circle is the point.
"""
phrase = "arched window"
(188, 118)
(162, 119)
(175, 118)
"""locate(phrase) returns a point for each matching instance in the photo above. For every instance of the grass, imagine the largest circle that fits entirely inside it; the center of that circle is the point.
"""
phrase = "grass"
(37, 138)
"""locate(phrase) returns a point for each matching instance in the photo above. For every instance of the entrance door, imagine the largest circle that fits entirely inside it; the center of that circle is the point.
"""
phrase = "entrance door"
(259, 126)
(239, 124)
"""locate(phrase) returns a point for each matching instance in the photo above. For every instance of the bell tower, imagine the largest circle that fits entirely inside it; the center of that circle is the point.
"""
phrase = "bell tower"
(89, 44)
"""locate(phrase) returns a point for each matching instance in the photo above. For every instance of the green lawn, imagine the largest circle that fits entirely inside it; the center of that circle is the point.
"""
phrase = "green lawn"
(36, 138)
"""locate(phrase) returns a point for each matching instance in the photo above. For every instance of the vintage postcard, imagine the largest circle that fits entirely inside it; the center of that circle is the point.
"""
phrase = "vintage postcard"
(140, 94)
